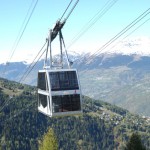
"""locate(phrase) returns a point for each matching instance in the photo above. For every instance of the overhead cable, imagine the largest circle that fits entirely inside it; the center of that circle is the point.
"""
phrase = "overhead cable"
(18, 39)
(72, 10)
(20, 32)
(20, 112)
(130, 33)
(23, 30)
(93, 20)
(59, 25)
(32, 64)
(66, 10)
(133, 23)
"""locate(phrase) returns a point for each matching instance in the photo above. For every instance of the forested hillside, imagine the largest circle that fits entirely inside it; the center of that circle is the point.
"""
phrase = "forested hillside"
(101, 126)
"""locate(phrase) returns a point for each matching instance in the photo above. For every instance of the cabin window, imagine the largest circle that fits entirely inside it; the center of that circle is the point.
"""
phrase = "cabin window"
(73, 79)
(63, 80)
(42, 100)
(42, 81)
(65, 103)
(66, 80)
(57, 104)
(54, 80)
(76, 102)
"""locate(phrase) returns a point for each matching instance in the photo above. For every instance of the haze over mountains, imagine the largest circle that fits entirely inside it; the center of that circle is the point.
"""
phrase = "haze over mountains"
(119, 77)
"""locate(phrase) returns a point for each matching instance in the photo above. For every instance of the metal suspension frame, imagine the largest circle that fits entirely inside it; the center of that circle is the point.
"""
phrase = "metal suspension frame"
(48, 63)
(52, 35)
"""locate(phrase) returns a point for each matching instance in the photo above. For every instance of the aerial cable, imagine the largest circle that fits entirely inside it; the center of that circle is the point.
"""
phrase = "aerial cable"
(124, 30)
(136, 28)
(18, 37)
(66, 10)
(72, 10)
(96, 53)
(25, 76)
(32, 64)
(130, 33)
(15, 43)
(21, 34)
(133, 23)
(93, 20)
(121, 33)
(21, 111)
(131, 26)
(5, 103)
(23, 30)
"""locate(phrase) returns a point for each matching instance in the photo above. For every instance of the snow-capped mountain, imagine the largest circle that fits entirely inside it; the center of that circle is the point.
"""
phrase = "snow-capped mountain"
(102, 75)
(15, 70)
(131, 53)
(138, 46)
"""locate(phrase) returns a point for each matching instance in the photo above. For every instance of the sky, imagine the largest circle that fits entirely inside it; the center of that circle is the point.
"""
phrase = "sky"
(47, 12)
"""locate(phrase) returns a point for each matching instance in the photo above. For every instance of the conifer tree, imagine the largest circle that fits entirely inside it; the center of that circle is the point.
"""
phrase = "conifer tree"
(135, 143)
(49, 141)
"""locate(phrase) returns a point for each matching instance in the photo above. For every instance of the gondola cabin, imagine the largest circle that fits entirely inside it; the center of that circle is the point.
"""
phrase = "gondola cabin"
(59, 92)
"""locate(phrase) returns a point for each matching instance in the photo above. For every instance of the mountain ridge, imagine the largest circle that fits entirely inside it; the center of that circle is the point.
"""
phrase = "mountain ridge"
(106, 75)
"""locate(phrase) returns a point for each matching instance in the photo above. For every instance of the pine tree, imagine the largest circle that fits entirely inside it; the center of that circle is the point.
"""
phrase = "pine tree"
(135, 143)
(49, 141)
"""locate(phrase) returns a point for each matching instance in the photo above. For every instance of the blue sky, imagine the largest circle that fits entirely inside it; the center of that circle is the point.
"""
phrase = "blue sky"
(48, 11)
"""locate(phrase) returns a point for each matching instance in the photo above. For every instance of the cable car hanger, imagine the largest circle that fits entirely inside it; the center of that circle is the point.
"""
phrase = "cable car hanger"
(52, 35)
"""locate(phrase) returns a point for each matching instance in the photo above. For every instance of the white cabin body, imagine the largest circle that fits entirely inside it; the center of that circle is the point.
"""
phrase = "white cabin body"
(59, 92)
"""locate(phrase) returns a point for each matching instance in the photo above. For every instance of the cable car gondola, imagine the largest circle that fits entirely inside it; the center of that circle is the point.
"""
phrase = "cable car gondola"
(59, 91)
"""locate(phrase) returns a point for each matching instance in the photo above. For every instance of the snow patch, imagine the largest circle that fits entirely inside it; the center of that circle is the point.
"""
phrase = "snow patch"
(138, 46)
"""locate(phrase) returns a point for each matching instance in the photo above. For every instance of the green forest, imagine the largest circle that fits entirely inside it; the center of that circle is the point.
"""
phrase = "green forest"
(101, 126)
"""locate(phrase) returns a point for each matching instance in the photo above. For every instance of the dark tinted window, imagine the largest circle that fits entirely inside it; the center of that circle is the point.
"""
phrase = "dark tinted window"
(66, 103)
(42, 100)
(65, 80)
(73, 79)
(54, 80)
(42, 81)
(56, 104)
(76, 102)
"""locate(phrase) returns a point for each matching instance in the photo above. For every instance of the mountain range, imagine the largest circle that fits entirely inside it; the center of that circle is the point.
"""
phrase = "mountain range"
(119, 78)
